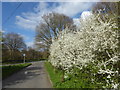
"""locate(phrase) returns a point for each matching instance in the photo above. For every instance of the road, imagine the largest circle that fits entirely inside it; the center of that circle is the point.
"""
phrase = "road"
(33, 76)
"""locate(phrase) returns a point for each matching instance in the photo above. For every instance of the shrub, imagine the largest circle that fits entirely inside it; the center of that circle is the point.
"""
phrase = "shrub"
(96, 42)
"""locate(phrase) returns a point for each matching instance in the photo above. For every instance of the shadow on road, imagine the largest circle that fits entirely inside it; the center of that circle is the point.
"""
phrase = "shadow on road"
(23, 75)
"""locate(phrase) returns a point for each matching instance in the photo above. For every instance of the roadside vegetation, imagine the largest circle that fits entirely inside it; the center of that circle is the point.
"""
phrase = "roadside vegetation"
(9, 70)
(15, 50)
(21, 61)
(54, 74)
(89, 56)
(77, 79)
(83, 56)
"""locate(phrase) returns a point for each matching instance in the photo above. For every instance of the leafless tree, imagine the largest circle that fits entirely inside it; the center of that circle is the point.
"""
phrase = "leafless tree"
(52, 25)
(12, 42)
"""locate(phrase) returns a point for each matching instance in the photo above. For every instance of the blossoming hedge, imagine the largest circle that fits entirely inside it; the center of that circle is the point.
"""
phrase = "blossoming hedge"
(95, 42)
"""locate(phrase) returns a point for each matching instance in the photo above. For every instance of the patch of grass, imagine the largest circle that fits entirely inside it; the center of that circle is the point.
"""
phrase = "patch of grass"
(21, 61)
(9, 70)
(55, 75)
(78, 79)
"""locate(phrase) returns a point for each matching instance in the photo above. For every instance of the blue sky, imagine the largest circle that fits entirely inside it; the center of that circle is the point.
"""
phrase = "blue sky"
(28, 15)
(11, 26)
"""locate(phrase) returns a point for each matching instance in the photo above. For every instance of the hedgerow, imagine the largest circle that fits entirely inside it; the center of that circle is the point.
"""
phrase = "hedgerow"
(93, 48)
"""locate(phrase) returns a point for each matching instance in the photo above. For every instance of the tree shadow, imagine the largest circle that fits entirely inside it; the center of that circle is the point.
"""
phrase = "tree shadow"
(23, 75)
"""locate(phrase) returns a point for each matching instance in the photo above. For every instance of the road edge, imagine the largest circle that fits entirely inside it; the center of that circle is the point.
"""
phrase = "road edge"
(48, 75)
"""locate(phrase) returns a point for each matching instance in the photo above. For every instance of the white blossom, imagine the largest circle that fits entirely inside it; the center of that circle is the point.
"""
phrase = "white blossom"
(108, 76)
(78, 49)
(115, 85)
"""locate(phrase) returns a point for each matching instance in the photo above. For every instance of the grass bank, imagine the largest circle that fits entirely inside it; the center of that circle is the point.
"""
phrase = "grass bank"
(55, 75)
(21, 61)
(9, 70)
(78, 79)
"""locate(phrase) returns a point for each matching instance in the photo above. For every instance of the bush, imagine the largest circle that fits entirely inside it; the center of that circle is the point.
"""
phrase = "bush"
(95, 42)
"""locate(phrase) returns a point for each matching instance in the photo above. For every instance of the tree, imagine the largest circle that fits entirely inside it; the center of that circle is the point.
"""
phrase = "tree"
(108, 7)
(0, 35)
(52, 25)
(112, 9)
(94, 44)
(0, 44)
(32, 54)
(13, 43)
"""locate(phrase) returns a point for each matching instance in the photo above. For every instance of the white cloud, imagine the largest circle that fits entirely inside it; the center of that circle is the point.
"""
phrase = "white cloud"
(2, 31)
(29, 20)
(26, 22)
(76, 21)
(86, 14)
(72, 8)
(30, 44)
(24, 36)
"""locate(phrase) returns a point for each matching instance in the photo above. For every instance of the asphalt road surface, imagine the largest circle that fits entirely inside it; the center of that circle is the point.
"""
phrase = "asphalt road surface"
(33, 76)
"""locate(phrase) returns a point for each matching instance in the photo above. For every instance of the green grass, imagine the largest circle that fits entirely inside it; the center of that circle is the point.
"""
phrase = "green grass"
(55, 75)
(9, 70)
(21, 61)
(79, 79)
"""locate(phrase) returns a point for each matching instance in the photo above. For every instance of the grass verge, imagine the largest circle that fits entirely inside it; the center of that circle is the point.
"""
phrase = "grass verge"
(55, 75)
(9, 70)
(78, 79)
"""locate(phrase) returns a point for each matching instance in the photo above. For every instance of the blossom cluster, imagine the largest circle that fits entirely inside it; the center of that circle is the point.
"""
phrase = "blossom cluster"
(96, 41)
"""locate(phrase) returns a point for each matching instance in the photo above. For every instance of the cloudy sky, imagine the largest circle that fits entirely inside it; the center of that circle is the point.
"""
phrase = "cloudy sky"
(28, 14)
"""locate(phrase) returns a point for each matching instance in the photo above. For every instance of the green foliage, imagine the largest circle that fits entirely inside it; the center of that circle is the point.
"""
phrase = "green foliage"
(9, 70)
(55, 74)
(85, 78)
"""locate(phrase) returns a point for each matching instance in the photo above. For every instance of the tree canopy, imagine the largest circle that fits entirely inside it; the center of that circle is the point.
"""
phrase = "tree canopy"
(14, 41)
(52, 25)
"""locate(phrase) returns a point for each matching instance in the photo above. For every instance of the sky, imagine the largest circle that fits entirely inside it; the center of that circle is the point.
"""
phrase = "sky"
(28, 15)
